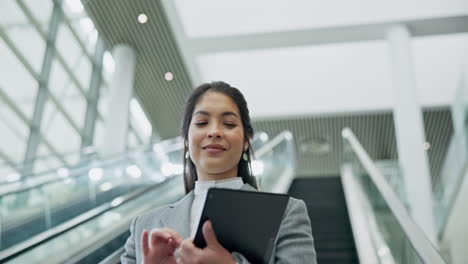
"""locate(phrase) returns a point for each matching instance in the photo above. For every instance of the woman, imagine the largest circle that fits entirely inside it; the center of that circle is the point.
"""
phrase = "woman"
(217, 132)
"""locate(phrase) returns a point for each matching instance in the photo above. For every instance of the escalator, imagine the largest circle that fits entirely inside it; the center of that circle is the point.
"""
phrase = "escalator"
(356, 218)
(331, 229)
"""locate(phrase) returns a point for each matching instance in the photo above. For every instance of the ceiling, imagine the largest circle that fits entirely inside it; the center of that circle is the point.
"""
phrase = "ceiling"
(158, 53)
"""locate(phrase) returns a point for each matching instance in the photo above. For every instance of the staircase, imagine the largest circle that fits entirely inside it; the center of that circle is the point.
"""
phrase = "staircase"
(327, 210)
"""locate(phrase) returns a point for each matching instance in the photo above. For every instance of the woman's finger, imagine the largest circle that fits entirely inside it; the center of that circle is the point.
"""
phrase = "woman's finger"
(144, 242)
(176, 236)
(158, 235)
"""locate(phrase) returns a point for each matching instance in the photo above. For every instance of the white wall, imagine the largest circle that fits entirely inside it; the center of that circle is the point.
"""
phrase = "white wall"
(219, 18)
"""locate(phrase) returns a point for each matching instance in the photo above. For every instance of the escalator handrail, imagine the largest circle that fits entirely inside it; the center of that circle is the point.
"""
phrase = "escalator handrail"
(76, 174)
(413, 232)
(114, 159)
(37, 240)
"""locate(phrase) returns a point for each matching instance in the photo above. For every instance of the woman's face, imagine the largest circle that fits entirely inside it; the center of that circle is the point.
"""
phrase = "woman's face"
(216, 136)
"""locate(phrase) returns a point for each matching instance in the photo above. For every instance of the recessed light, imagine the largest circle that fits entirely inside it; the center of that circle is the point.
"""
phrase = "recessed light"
(427, 145)
(168, 76)
(142, 18)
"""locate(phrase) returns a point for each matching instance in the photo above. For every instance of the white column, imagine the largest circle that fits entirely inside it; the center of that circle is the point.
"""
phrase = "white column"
(409, 129)
(121, 91)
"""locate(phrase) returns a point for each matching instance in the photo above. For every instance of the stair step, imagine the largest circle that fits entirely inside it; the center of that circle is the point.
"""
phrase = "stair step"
(326, 206)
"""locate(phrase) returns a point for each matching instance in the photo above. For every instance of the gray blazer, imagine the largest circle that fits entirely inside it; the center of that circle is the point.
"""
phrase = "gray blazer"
(294, 242)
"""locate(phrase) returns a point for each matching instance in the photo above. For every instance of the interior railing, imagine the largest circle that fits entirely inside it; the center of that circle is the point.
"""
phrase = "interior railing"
(393, 237)
(456, 161)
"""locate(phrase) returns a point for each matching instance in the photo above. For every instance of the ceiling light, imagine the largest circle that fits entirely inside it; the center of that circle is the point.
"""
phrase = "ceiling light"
(427, 145)
(169, 76)
(142, 18)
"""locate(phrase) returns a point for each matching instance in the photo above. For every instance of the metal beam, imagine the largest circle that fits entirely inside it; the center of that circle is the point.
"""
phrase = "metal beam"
(59, 56)
(328, 35)
(42, 93)
(94, 94)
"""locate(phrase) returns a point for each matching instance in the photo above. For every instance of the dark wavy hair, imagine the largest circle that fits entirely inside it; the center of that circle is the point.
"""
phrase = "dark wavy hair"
(244, 167)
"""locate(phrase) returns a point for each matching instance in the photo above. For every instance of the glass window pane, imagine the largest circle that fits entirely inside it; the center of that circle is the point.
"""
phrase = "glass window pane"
(83, 72)
(14, 122)
(58, 131)
(41, 10)
(61, 86)
(13, 134)
(11, 14)
(29, 43)
(86, 31)
(98, 133)
(6, 172)
(75, 105)
(59, 79)
(16, 81)
(67, 46)
(46, 160)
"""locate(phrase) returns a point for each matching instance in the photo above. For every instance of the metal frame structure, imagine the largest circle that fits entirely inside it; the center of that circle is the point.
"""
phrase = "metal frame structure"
(86, 132)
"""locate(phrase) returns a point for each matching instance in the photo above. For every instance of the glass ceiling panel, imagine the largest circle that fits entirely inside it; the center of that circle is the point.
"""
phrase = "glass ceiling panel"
(41, 10)
(16, 81)
(28, 41)
(68, 47)
(306, 80)
(58, 131)
(205, 18)
(11, 14)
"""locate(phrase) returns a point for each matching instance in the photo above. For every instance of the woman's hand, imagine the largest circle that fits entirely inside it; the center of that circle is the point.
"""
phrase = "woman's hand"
(214, 252)
(159, 249)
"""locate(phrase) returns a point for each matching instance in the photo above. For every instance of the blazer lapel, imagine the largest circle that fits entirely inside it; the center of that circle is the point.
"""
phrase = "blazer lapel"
(177, 217)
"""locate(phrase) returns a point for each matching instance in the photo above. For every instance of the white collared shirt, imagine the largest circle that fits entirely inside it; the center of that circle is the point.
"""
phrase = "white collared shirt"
(200, 191)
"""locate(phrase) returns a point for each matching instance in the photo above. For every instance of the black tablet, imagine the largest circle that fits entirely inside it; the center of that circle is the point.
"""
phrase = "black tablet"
(244, 221)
